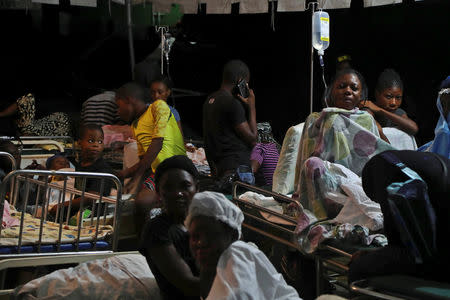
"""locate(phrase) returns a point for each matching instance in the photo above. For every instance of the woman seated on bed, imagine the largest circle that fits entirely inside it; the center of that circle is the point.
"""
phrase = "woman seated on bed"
(165, 241)
(335, 145)
(388, 99)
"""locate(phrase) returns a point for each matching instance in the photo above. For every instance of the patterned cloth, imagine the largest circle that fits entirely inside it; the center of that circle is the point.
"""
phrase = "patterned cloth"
(30, 235)
(55, 124)
(335, 146)
(158, 122)
(441, 142)
(346, 137)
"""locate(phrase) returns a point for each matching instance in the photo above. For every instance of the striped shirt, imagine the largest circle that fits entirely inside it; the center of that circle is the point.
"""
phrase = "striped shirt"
(266, 154)
(100, 109)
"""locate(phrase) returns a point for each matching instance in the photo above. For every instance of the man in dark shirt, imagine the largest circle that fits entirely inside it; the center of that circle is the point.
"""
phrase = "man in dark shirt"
(229, 123)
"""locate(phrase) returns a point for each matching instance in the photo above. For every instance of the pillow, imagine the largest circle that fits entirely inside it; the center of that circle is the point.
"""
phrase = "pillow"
(284, 175)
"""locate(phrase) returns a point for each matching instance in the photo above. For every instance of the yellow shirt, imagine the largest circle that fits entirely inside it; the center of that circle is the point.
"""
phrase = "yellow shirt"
(158, 122)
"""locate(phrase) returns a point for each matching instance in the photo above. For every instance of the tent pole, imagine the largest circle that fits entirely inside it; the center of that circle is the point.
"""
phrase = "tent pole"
(130, 36)
(312, 65)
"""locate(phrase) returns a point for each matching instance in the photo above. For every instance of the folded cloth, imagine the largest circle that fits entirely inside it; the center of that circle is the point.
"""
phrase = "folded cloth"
(8, 221)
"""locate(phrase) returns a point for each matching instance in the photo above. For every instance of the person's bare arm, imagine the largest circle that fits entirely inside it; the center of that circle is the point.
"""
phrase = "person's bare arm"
(255, 165)
(247, 131)
(175, 269)
(9, 111)
(403, 122)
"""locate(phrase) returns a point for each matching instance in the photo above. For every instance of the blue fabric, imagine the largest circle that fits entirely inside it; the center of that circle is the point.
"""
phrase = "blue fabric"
(101, 245)
(175, 113)
(441, 142)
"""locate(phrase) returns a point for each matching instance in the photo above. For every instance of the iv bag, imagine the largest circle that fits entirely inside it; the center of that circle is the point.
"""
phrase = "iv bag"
(320, 31)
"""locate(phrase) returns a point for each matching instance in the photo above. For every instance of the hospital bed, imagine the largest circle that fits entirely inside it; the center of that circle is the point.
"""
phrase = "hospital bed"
(45, 235)
(330, 259)
(34, 231)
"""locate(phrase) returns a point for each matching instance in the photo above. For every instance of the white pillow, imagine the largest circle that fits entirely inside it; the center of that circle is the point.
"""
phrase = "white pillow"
(284, 175)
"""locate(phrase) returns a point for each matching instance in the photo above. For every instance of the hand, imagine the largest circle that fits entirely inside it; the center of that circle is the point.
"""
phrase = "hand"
(35, 166)
(370, 105)
(250, 100)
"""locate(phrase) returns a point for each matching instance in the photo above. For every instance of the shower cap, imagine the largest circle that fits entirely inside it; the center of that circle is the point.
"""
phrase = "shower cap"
(217, 206)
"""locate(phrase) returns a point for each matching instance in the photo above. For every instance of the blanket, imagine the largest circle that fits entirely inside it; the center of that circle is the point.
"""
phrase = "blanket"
(50, 233)
(335, 146)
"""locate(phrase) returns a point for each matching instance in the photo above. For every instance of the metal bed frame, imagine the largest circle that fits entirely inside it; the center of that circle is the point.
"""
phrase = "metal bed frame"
(39, 154)
(330, 262)
(11, 159)
(24, 177)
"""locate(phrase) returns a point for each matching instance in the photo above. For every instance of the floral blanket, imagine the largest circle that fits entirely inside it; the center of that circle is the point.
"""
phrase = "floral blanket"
(50, 233)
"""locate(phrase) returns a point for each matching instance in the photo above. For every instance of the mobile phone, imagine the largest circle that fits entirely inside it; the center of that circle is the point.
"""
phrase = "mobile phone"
(242, 89)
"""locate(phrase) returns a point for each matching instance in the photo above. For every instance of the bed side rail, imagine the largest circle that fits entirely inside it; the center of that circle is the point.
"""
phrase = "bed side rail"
(271, 224)
(26, 186)
(10, 158)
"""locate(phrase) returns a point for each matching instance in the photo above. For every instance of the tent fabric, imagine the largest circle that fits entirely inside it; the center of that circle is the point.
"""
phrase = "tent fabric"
(187, 7)
(368, 3)
(291, 5)
(253, 6)
(218, 6)
(163, 6)
(258, 6)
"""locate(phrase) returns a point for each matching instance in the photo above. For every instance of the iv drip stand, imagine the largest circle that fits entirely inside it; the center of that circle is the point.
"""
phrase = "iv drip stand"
(311, 83)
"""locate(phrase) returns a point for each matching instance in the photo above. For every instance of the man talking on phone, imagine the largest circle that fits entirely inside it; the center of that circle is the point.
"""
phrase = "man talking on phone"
(229, 124)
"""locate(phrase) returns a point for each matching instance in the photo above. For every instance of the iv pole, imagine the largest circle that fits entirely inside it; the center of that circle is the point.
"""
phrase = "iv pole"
(130, 36)
(311, 83)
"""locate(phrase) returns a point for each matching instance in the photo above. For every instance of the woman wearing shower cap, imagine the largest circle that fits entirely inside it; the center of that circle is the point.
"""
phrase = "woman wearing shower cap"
(165, 240)
(229, 268)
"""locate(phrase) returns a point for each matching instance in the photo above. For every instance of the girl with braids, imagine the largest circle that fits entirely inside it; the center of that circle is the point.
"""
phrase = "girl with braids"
(388, 99)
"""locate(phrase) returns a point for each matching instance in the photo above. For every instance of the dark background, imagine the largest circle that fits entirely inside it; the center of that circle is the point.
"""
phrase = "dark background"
(65, 54)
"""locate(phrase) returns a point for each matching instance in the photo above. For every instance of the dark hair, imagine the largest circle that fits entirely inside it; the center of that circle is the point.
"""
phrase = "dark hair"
(164, 80)
(328, 90)
(89, 126)
(234, 70)
(131, 90)
(5, 163)
(175, 162)
(388, 78)
(48, 162)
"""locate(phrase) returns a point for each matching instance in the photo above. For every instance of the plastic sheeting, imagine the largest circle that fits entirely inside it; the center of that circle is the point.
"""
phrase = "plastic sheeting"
(118, 277)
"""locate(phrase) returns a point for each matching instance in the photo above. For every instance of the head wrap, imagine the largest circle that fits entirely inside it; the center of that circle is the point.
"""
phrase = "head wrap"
(344, 58)
(265, 134)
(175, 162)
(217, 206)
